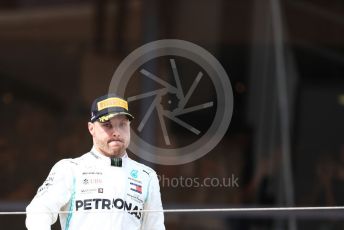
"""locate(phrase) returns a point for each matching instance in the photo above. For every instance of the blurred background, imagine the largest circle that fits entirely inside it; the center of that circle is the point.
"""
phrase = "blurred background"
(285, 61)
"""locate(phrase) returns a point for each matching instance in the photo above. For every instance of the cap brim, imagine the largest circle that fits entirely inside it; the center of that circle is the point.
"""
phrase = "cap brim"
(108, 116)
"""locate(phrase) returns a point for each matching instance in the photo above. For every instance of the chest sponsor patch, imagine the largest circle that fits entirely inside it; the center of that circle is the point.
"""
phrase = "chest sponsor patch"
(116, 203)
(136, 187)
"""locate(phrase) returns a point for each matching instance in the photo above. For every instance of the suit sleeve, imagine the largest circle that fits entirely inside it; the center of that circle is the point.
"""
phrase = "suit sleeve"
(153, 220)
(55, 192)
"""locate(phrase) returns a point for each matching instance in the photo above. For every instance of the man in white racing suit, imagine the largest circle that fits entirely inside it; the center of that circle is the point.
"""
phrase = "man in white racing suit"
(104, 188)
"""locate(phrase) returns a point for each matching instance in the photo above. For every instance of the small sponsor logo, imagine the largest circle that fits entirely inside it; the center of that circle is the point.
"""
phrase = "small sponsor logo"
(88, 191)
(145, 172)
(135, 198)
(136, 187)
(91, 190)
(136, 181)
(134, 173)
(92, 181)
(92, 173)
(50, 178)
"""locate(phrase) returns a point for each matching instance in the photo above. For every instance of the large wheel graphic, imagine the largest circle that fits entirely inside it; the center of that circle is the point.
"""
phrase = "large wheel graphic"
(170, 101)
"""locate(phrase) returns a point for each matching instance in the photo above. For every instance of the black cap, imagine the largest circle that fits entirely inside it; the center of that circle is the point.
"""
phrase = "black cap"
(107, 106)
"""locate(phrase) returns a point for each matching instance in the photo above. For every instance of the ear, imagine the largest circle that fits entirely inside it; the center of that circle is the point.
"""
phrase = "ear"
(91, 128)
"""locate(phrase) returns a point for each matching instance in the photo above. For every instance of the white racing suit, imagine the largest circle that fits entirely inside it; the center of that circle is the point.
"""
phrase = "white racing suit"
(92, 194)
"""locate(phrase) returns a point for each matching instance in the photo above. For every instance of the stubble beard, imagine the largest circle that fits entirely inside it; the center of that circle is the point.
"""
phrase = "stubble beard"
(109, 151)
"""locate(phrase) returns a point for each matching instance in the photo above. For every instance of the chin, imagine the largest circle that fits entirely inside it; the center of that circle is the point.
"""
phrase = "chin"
(116, 154)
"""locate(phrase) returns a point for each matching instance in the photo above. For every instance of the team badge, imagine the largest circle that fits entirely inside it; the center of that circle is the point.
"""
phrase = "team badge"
(134, 173)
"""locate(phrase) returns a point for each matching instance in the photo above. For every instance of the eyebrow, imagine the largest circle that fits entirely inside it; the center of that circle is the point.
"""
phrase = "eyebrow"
(124, 119)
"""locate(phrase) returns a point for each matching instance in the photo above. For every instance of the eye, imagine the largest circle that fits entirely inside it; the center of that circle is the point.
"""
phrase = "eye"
(107, 125)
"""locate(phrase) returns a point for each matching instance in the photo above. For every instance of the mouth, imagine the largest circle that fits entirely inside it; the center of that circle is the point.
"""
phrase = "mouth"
(115, 141)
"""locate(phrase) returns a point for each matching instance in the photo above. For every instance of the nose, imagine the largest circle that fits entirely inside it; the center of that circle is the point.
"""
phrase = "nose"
(115, 131)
